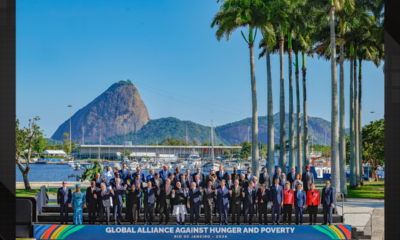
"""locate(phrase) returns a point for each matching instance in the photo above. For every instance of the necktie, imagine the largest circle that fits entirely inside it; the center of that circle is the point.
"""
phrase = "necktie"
(250, 191)
(262, 193)
(92, 190)
(118, 188)
(166, 189)
(137, 184)
(236, 189)
(307, 176)
(213, 184)
(102, 194)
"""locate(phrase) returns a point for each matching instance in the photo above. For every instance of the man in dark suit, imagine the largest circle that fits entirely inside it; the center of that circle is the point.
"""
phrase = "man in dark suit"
(198, 182)
(104, 196)
(98, 180)
(215, 183)
(236, 199)
(208, 203)
(184, 183)
(221, 174)
(249, 175)
(299, 203)
(278, 175)
(276, 198)
(194, 203)
(188, 177)
(64, 196)
(177, 174)
(118, 201)
(201, 176)
(291, 177)
(208, 178)
(265, 178)
(92, 202)
(243, 182)
(139, 172)
(112, 181)
(222, 193)
(262, 200)
(229, 181)
(307, 179)
(165, 200)
(149, 199)
(138, 182)
(235, 175)
(172, 178)
(327, 200)
(164, 174)
(157, 180)
(249, 199)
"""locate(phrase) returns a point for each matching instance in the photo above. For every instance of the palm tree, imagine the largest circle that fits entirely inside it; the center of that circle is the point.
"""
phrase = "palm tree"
(253, 14)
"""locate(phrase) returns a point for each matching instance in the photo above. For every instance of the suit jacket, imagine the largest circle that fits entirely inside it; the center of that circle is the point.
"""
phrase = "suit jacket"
(118, 197)
(276, 195)
(222, 196)
(208, 178)
(290, 178)
(98, 182)
(150, 196)
(200, 184)
(184, 183)
(148, 178)
(208, 197)
(247, 177)
(135, 182)
(276, 176)
(133, 196)
(195, 197)
(113, 184)
(142, 178)
(165, 175)
(189, 179)
(173, 182)
(160, 183)
(235, 176)
(177, 176)
(216, 184)
(244, 183)
(105, 200)
(229, 185)
(236, 197)
(328, 195)
(165, 194)
(266, 180)
(224, 176)
(300, 201)
(89, 195)
(201, 176)
(249, 199)
(308, 182)
(180, 196)
(123, 174)
(64, 197)
(264, 197)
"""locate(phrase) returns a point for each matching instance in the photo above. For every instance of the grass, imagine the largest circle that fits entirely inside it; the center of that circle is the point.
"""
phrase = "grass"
(368, 190)
(34, 191)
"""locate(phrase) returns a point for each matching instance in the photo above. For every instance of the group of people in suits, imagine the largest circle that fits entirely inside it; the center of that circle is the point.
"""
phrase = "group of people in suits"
(176, 193)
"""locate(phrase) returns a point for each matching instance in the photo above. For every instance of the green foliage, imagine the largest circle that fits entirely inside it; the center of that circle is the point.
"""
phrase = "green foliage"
(90, 173)
(373, 143)
(127, 153)
(246, 150)
(38, 144)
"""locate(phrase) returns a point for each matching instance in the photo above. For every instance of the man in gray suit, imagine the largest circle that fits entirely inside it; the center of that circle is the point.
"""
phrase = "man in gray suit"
(104, 200)
(235, 193)
(208, 203)
(307, 179)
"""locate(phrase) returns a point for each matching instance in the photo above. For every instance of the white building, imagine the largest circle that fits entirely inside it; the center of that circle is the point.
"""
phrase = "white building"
(54, 153)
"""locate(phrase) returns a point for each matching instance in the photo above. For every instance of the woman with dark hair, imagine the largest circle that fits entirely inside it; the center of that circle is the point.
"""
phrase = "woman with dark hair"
(134, 193)
(297, 181)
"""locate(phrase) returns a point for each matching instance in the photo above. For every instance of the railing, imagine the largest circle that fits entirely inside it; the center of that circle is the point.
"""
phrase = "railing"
(360, 213)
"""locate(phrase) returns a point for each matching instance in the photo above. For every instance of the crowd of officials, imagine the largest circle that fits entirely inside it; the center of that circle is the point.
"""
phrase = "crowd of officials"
(174, 193)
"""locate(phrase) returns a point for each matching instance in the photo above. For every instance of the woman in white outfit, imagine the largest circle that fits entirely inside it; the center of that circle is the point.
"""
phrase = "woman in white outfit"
(179, 197)
(297, 182)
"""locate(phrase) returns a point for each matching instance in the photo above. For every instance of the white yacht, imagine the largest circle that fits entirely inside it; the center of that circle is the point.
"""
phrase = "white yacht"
(210, 165)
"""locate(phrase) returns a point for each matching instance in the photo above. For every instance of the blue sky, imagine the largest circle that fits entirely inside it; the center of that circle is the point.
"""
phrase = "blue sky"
(69, 52)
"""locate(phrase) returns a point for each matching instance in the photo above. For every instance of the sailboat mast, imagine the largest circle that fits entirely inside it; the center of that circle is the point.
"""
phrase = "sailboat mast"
(212, 142)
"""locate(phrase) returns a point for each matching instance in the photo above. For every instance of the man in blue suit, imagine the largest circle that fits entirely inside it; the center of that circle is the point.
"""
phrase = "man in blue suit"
(149, 200)
(118, 200)
(164, 174)
(327, 200)
(249, 199)
(221, 174)
(104, 196)
(276, 198)
(221, 195)
(138, 172)
(124, 173)
(64, 196)
(138, 182)
(194, 203)
(299, 203)
(150, 176)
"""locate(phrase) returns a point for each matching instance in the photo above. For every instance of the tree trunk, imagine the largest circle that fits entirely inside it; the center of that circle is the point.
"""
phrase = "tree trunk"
(342, 141)
(353, 164)
(305, 118)
(299, 160)
(360, 124)
(271, 151)
(26, 181)
(292, 162)
(254, 147)
(335, 176)
(282, 159)
(356, 156)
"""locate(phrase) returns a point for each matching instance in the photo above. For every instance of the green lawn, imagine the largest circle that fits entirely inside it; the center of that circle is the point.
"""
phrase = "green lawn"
(33, 192)
(368, 190)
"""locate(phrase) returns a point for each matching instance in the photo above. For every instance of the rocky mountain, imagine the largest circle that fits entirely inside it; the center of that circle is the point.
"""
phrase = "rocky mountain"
(118, 107)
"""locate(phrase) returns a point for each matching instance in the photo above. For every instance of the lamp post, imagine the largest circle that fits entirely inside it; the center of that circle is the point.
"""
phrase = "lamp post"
(99, 141)
(70, 149)
(372, 115)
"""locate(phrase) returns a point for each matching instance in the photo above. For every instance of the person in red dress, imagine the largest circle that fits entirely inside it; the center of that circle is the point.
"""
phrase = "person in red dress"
(313, 201)
(288, 201)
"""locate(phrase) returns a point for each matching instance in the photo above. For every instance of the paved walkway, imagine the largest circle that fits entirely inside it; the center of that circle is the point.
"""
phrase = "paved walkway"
(353, 209)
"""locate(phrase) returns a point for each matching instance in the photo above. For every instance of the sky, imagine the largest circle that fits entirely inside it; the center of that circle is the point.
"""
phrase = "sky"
(69, 52)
